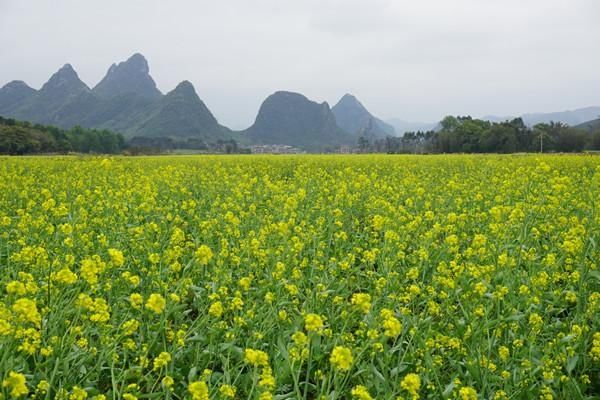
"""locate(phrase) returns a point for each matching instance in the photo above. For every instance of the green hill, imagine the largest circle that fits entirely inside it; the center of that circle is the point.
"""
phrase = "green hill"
(292, 119)
(180, 113)
(590, 126)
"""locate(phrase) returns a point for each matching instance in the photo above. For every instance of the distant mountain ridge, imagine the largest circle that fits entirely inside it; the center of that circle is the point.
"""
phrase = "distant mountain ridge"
(126, 100)
(569, 117)
(576, 118)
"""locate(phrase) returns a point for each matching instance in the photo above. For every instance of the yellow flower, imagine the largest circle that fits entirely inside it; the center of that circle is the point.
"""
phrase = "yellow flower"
(216, 309)
(411, 383)
(265, 396)
(5, 328)
(595, 351)
(203, 254)
(16, 383)
(129, 327)
(378, 222)
(16, 287)
(341, 358)
(535, 321)
(227, 391)
(362, 301)
(267, 380)
(116, 257)
(392, 327)
(65, 276)
(500, 395)
(360, 392)
(198, 390)
(256, 358)
(168, 382)
(90, 268)
(156, 303)
(136, 300)
(299, 338)
(78, 393)
(154, 258)
(162, 360)
(467, 393)
(27, 311)
(43, 386)
(313, 322)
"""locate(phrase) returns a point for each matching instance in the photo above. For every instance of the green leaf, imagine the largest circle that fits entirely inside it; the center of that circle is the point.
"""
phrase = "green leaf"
(595, 275)
(572, 363)
(448, 389)
(192, 374)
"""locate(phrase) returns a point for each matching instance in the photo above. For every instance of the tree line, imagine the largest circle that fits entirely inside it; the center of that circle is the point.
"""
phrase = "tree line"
(22, 137)
(160, 144)
(469, 135)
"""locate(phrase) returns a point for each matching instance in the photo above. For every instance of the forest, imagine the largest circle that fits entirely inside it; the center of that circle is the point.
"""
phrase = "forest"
(22, 137)
(469, 135)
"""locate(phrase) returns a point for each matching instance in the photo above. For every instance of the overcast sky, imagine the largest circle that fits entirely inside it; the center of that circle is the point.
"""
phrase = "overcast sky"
(412, 60)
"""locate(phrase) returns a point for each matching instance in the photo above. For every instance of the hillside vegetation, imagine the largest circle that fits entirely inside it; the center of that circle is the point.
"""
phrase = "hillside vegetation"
(18, 137)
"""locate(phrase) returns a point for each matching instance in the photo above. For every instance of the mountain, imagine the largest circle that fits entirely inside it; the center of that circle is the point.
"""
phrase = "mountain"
(180, 113)
(128, 77)
(14, 93)
(401, 126)
(590, 126)
(569, 117)
(292, 119)
(496, 118)
(62, 101)
(354, 118)
(126, 100)
(127, 92)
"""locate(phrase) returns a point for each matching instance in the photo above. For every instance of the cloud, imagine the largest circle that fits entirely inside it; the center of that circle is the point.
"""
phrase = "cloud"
(413, 60)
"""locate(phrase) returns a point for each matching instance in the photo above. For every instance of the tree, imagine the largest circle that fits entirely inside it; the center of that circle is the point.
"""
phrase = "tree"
(594, 140)
(363, 144)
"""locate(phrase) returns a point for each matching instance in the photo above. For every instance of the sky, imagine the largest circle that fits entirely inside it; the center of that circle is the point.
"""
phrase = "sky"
(412, 60)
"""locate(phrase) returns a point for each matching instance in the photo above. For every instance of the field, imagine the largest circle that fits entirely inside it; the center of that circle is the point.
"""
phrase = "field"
(300, 277)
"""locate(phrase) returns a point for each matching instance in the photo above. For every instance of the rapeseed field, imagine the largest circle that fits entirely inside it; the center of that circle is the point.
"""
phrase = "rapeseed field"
(300, 277)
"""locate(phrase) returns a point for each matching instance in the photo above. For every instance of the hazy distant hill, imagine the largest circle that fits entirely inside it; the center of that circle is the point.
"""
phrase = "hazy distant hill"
(590, 125)
(402, 126)
(570, 117)
(354, 118)
(126, 100)
(292, 119)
